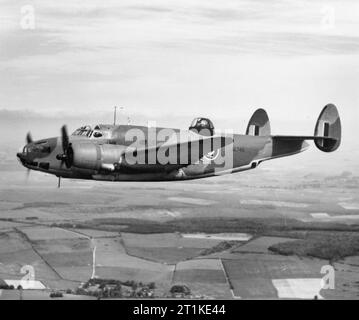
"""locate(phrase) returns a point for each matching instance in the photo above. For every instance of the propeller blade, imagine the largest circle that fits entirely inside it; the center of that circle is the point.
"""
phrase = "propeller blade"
(65, 138)
(29, 138)
(27, 174)
(67, 156)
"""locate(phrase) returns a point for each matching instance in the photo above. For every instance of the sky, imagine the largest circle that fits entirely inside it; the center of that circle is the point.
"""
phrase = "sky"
(171, 60)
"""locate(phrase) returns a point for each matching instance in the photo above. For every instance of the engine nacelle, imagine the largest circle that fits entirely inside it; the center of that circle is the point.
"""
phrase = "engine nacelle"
(96, 156)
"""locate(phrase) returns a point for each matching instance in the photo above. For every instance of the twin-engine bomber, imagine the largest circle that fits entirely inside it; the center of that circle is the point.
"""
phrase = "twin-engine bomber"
(139, 153)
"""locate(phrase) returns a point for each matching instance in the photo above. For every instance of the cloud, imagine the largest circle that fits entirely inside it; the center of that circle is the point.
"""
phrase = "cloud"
(20, 43)
(271, 27)
(181, 57)
(269, 43)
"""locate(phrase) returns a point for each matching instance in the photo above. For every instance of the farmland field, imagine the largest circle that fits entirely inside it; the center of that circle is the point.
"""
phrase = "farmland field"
(182, 233)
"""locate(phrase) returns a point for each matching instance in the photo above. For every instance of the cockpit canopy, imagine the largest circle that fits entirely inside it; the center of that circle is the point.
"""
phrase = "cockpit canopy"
(202, 126)
(99, 131)
(84, 131)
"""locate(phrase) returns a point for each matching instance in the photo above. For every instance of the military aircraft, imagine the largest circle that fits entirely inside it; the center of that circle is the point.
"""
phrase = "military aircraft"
(140, 153)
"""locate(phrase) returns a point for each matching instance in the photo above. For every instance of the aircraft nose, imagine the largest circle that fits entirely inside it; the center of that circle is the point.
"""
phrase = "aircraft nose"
(21, 156)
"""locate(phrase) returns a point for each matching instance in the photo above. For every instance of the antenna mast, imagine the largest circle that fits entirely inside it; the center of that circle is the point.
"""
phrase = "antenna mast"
(114, 116)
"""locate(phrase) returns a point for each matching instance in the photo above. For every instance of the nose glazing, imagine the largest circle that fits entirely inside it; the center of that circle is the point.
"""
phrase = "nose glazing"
(21, 155)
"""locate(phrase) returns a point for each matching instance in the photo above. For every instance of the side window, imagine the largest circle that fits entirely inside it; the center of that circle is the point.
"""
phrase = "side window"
(97, 134)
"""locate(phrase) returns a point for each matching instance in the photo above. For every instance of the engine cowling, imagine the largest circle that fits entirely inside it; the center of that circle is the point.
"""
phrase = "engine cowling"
(95, 156)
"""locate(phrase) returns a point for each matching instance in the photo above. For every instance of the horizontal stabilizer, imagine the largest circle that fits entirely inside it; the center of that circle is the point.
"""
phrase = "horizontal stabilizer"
(296, 138)
(327, 133)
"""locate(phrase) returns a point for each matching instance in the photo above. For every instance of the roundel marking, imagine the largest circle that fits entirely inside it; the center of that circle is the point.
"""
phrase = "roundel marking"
(211, 155)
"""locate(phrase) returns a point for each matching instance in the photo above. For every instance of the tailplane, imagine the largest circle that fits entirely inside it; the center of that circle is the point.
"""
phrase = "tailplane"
(327, 133)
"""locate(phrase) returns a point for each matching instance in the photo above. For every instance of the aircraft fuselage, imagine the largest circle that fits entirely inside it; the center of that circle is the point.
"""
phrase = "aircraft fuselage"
(245, 152)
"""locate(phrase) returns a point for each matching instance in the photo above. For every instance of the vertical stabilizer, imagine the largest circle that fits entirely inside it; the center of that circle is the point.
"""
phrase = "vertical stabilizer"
(259, 124)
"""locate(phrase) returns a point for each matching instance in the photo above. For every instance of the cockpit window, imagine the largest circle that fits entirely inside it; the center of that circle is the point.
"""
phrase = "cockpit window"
(97, 134)
(99, 131)
(194, 122)
(83, 131)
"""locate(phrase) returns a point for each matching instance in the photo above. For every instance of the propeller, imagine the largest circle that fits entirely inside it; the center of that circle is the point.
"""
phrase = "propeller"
(27, 175)
(28, 138)
(67, 155)
(64, 137)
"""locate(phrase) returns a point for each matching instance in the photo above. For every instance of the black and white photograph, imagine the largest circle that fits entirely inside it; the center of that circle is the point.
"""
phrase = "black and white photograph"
(179, 154)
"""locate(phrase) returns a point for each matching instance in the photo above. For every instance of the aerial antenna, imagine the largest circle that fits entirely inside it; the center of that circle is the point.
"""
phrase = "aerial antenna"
(114, 116)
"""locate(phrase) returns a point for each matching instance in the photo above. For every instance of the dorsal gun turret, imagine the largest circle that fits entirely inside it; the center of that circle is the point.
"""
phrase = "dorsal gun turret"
(202, 126)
